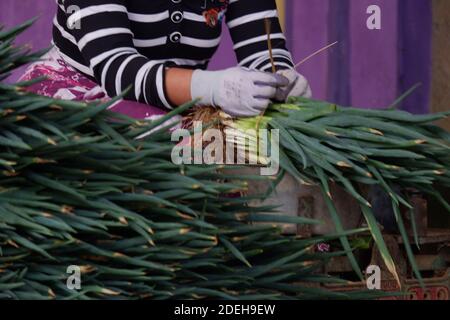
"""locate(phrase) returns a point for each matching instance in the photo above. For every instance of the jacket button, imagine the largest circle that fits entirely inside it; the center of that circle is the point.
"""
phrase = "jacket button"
(175, 37)
(177, 17)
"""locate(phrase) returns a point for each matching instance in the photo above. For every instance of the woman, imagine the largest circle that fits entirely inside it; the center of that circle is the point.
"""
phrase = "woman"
(162, 48)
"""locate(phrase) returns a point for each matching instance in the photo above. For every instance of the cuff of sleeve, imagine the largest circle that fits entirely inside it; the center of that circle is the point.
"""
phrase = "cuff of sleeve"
(281, 63)
(155, 89)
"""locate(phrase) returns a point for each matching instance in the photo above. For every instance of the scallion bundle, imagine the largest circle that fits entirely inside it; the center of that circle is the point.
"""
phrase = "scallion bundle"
(322, 143)
(77, 189)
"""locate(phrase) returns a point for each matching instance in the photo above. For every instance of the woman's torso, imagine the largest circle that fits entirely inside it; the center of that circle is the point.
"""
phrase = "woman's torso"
(185, 31)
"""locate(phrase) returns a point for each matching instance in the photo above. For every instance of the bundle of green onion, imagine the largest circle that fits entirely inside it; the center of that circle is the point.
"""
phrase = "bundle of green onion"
(78, 189)
(322, 143)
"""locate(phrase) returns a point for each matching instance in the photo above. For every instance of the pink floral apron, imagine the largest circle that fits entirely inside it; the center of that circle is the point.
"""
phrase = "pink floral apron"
(64, 82)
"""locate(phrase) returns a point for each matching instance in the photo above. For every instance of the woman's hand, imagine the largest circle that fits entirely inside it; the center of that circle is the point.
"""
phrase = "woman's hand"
(298, 86)
(237, 91)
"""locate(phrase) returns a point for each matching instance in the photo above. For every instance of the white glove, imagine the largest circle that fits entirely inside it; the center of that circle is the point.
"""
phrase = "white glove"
(237, 91)
(298, 86)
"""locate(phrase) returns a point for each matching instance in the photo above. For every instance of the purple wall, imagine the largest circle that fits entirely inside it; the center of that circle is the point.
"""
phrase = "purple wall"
(13, 12)
(415, 29)
(224, 56)
(307, 32)
(373, 72)
(367, 68)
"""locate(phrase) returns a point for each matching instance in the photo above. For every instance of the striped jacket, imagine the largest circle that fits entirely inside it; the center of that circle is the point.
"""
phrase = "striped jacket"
(132, 42)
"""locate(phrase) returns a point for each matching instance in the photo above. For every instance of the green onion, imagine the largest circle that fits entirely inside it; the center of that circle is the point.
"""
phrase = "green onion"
(79, 189)
(322, 142)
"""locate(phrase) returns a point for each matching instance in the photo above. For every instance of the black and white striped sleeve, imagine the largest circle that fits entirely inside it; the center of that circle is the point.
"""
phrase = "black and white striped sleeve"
(245, 19)
(101, 29)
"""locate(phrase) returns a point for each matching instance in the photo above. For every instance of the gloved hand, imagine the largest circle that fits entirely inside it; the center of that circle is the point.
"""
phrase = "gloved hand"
(237, 91)
(298, 86)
